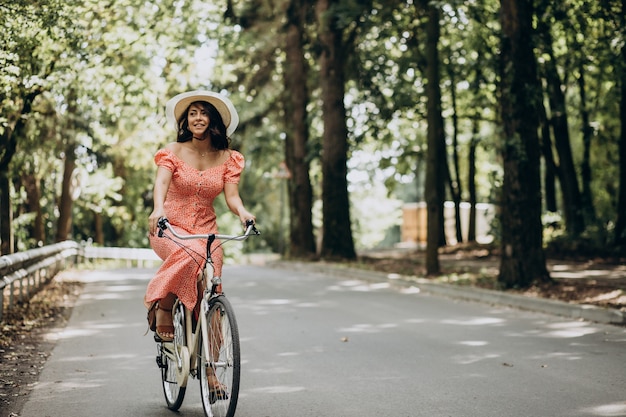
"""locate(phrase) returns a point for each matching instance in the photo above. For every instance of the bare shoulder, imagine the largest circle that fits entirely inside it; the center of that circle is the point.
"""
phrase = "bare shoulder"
(174, 146)
(231, 154)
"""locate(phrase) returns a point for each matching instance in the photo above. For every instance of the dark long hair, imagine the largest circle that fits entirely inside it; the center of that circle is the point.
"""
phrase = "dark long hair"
(216, 131)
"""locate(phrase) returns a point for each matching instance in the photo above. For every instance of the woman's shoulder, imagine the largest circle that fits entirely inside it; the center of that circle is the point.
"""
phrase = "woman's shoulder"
(174, 147)
(168, 155)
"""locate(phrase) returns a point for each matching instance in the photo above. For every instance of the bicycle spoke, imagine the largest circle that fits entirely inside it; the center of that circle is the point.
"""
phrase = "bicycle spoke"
(170, 362)
(219, 373)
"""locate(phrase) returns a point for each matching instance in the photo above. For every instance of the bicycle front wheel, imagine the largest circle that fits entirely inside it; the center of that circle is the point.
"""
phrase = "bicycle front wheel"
(219, 364)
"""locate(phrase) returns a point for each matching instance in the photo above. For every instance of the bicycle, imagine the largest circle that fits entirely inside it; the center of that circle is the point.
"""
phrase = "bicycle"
(206, 339)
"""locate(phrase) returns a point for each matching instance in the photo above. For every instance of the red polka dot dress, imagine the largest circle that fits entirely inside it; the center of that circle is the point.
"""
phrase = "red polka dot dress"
(189, 209)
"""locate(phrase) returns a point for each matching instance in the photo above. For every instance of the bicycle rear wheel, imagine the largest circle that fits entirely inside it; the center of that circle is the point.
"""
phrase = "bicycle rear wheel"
(173, 390)
(219, 373)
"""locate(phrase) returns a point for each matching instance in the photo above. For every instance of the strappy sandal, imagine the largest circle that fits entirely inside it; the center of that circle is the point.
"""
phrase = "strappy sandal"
(160, 330)
(152, 316)
(217, 390)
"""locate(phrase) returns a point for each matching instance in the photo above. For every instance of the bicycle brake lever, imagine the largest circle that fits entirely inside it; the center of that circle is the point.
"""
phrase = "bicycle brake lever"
(161, 224)
(250, 225)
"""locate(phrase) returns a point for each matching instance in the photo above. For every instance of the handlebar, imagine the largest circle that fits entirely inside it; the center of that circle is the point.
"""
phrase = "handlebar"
(164, 224)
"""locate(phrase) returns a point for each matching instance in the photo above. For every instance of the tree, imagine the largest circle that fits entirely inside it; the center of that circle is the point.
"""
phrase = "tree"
(275, 34)
(476, 55)
(9, 140)
(66, 199)
(30, 73)
(522, 260)
(123, 61)
(550, 171)
(566, 170)
(620, 223)
(454, 176)
(302, 242)
(436, 167)
(471, 177)
(337, 239)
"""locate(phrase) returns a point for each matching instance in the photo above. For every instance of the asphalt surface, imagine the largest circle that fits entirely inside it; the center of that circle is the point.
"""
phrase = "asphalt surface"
(341, 343)
(555, 307)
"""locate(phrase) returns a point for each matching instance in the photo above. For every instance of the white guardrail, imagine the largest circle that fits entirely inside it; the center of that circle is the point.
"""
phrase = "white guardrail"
(22, 274)
(133, 257)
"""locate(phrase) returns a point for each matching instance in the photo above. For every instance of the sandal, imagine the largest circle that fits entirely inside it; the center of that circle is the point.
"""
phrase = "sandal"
(217, 390)
(162, 332)
(152, 316)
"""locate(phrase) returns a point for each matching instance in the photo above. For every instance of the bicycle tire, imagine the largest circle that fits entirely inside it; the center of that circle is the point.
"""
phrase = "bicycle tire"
(172, 390)
(224, 363)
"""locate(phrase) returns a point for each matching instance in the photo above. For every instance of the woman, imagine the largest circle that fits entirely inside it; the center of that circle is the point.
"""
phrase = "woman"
(191, 173)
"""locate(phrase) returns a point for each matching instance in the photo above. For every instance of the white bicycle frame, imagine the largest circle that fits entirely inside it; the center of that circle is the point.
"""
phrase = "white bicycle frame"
(181, 355)
(185, 356)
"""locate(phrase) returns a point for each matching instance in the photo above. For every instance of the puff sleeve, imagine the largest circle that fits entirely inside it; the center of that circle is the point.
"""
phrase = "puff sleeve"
(165, 158)
(234, 167)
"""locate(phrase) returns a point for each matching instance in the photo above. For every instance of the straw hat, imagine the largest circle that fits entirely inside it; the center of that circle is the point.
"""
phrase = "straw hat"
(179, 103)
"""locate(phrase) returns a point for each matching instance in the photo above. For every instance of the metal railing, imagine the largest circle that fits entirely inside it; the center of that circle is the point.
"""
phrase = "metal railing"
(132, 257)
(24, 273)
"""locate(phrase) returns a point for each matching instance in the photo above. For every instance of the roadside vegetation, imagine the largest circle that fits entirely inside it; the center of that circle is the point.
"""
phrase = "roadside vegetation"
(349, 110)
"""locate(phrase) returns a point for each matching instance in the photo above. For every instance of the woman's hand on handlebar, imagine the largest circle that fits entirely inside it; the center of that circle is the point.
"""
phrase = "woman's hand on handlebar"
(244, 216)
(153, 220)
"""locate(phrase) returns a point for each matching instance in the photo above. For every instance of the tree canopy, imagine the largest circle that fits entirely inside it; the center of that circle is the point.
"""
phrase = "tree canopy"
(341, 106)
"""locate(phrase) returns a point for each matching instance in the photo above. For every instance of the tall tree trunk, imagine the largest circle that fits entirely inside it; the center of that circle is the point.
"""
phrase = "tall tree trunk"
(436, 165)
(522, 260)
(620, 221)
(33, 205)
(454, 177)
(98, 228)
(549, 177)
(8, 146)
(6, 214)
(572, 201)
(566, 169)
(337, 241)
(585, 169)
(302, 241)
(64, 222)
(471, 179)
(471, 157)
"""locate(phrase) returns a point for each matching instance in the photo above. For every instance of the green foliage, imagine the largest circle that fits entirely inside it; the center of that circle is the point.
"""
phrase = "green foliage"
(121, 60)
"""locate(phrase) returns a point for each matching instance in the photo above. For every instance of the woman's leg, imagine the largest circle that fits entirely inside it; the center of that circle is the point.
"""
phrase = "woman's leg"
(218, 261)
(216, 340)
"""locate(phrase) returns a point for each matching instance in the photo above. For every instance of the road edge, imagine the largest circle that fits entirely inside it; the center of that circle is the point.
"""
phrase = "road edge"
(554, 307)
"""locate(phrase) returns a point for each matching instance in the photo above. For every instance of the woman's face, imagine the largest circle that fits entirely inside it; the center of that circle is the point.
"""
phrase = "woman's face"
(198, 120)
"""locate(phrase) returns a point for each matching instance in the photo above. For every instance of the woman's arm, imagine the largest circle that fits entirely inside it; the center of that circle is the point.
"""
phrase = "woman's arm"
(161, 185)
(233, 200)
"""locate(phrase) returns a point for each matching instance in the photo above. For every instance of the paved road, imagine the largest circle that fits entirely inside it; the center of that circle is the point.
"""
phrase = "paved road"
(315, 345)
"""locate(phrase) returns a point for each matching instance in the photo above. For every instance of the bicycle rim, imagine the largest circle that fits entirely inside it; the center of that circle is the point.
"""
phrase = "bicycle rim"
(219, 373)
(174, 393)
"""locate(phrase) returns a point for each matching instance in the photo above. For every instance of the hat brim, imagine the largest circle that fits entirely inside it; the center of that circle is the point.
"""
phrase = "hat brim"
(176, 106)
